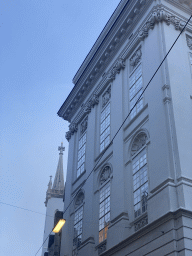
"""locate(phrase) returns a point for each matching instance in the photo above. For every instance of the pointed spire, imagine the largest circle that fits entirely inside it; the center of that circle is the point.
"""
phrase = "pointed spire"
(59, 179)
(57, 190)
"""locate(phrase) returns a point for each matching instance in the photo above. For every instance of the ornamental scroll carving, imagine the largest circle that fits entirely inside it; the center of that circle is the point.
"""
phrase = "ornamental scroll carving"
(68, 135)
(189, 42)
(138, 143)
(72, 129)
(106, 96)
(160, 15)
(140, 224)
(79, 199)
(84, 125)
(91, 103)
(120, 64)
(135, 59)
(105, 174)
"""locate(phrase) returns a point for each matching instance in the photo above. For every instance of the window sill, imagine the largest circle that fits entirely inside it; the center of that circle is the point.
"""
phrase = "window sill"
(101, 247)
(104, 150)
(140, 221)
(79, 177)
(135, 117)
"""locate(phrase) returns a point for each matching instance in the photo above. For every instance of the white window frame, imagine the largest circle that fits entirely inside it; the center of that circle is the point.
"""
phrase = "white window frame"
(135, 89)
(140, 182)
(104, 210)
(81, 154)
(78, 222)
(105, 126)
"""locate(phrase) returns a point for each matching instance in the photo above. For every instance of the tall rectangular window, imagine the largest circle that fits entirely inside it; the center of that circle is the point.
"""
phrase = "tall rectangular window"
(78, 223)
(136, 89)
(105, 127)
(104, 212)
(140, 183)
(81, 155)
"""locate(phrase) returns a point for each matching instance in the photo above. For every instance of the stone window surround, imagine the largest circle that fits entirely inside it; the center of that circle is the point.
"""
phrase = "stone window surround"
(103, 141)
(77, 176)
(143, 215)
(131, 72)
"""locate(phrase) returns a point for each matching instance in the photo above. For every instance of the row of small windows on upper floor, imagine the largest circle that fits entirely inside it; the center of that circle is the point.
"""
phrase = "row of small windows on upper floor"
(140, 191)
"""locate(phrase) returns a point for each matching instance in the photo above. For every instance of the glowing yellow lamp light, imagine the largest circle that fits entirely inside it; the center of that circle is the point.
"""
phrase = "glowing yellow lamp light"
(59, 226)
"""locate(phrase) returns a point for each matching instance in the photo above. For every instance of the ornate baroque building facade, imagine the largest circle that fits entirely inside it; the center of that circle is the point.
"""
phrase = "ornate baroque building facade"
(137, 200)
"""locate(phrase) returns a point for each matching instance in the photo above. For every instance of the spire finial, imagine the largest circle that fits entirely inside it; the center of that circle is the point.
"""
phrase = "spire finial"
(61, 149)
(50, 184)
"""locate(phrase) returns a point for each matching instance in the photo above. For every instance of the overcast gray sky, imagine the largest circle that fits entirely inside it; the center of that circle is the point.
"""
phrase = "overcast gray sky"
(42, 45)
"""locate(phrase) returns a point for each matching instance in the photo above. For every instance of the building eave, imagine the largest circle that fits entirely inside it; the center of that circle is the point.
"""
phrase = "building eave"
(118, 29)
(96, 61)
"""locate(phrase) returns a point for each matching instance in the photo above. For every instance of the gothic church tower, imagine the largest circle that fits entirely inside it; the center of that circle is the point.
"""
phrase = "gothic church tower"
(54, 199)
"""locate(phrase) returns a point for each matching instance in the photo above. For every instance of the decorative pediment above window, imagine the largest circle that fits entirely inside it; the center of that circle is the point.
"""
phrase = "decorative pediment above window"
(84, 125)
(135, 59)
(105, 174)
(106, 96)
(79, 198)
(139, 141)
(189, 41)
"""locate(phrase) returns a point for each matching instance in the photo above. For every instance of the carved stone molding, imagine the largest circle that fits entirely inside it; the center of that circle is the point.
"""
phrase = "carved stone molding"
(189, 42)
(106, 96)
(91, 103)
(160, 15)
(135, 59)
(68, 135)
(102, 247)
(120, 64)
(139, 141)
(84, 125)
(94, 100)
(105, 174)
(79, 198)
(167, 98)
(165, 87)
(141, 223)
(72, 129)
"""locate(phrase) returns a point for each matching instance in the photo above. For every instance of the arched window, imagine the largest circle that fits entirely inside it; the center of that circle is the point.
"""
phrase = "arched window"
(140, 173)
(104, 202)
(78, 220)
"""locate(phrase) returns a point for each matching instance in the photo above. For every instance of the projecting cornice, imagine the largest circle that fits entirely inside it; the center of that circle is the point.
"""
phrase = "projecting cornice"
(159, 14)
(119, 28)
(124, 19)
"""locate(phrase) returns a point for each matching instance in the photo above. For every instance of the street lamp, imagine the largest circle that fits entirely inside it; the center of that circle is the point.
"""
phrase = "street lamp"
(59, 226)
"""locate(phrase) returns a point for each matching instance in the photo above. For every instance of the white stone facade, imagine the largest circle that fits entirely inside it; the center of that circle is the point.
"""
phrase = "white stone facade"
(148, 167)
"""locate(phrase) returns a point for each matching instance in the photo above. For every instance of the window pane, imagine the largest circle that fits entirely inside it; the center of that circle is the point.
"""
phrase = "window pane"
(140, 183)
(104, 212)
(105, 128)
(81, 155)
